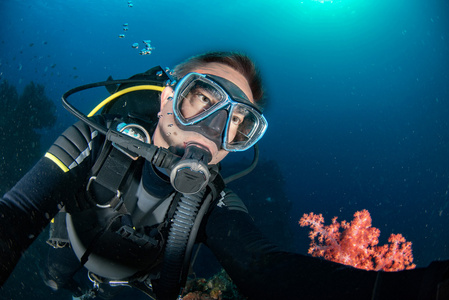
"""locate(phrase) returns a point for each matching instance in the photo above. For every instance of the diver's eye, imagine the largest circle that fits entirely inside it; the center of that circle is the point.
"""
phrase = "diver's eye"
(202, 98)
(236, 120)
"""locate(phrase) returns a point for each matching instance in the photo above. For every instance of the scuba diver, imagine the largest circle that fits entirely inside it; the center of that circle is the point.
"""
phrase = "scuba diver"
(131, 190)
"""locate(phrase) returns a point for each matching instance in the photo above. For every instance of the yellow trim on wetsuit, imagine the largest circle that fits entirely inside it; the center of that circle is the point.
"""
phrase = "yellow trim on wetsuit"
(56, 161)
(124, 91)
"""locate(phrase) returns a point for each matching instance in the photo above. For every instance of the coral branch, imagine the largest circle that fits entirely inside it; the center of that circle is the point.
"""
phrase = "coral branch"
(355, 243)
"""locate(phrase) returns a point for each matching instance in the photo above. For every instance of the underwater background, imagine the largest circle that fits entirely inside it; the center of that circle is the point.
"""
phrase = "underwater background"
(358, 96)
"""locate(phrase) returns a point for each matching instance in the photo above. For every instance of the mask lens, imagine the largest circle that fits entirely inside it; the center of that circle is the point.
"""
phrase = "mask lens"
(199, 99)
(245, 127)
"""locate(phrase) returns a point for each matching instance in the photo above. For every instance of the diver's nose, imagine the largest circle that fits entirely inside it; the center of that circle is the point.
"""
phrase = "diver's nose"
(214, 125)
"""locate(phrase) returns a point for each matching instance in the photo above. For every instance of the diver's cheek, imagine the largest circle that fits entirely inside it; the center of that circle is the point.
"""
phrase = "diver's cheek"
(167, 133)
(167, 122)
(232, 132)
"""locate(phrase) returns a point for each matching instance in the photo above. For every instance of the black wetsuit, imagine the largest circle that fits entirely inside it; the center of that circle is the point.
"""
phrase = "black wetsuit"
(258, 268)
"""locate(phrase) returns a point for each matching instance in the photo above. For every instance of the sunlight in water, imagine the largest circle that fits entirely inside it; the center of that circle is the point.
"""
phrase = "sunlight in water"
(321, 1)
(334, 7)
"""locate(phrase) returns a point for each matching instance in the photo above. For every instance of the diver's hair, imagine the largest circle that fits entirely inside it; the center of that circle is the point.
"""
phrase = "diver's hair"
(238, 61)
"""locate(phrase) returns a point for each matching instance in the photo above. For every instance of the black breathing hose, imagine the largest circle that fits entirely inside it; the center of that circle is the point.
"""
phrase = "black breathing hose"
(247, 170)
(179, 235)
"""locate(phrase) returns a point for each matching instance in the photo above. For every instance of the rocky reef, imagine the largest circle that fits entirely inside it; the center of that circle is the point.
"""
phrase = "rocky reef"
(218, 287)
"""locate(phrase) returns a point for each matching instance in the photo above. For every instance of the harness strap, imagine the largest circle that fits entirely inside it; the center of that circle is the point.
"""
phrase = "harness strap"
(106, 148)
(109, 177)
(114, 169)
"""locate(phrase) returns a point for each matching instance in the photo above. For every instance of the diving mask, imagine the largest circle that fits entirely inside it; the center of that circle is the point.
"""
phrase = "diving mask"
(218, 109)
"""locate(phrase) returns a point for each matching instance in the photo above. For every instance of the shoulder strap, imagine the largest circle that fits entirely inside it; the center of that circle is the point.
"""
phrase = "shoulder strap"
(109, 174)
(113, 170)
(108, 177)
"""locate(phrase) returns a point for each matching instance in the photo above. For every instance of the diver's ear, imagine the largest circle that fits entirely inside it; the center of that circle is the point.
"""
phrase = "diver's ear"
(167, 92)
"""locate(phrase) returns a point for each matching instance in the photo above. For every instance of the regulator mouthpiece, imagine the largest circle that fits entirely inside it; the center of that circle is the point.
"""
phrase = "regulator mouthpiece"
(190, 175)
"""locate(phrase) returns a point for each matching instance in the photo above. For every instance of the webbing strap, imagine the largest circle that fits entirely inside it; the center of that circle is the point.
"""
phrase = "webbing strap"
(114, 170)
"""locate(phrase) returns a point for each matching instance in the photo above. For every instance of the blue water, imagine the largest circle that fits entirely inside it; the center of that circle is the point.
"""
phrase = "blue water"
(358, 90)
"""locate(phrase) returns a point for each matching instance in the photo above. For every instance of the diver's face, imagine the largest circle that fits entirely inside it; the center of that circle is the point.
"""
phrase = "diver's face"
(169, 134)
